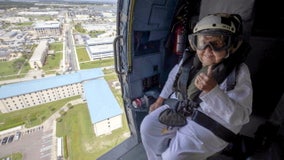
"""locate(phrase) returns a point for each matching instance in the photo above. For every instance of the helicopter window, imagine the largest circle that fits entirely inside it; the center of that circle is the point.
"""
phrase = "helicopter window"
(142, 44)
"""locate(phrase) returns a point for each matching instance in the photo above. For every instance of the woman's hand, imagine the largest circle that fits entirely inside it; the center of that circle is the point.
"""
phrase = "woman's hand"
(205, 82)
(156, 104)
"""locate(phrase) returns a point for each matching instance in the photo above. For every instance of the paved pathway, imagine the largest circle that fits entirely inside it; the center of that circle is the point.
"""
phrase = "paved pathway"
(50, 124)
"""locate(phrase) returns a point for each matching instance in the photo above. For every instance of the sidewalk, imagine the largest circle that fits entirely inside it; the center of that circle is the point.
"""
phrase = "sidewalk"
(32, 75)
(50, 124)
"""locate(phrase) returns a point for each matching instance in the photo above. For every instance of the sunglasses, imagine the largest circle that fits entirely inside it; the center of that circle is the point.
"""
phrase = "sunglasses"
(215, 42)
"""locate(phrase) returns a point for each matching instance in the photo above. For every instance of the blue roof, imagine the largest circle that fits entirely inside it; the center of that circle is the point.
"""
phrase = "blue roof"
(101, 102)
(25, 87)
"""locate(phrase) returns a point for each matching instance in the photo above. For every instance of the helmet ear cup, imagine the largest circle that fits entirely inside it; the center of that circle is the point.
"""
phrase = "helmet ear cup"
(235, 45)
(237, 20)
(234, 41)
(191, 39)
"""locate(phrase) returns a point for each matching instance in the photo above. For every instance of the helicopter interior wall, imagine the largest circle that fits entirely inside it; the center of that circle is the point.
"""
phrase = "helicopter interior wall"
(154, 16)
(263, 62)
(277, 115)
(267, 77)
(245, 8)
(151, 23)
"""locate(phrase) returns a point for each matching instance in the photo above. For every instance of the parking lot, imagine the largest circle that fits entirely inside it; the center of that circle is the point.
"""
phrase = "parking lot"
(33, 144)
(38, 143)
(11, 138)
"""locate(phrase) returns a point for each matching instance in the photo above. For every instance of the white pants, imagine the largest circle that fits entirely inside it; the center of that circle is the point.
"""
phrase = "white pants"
(190, 142)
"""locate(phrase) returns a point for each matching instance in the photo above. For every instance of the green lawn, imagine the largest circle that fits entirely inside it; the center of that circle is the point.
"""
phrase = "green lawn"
(7, 68)
(52, 62)
(76, 127)
(14, 156)
(81, 141)
(57, 47)
(31, 116)
(14, 69)
(82, 54)
(97, 63)
(19, 67)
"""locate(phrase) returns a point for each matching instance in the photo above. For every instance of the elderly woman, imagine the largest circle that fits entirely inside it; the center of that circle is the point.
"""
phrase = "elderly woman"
(214, 112)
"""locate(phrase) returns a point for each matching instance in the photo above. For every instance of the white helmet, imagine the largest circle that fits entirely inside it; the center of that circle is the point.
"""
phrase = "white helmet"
(227, 25)
(220, 22)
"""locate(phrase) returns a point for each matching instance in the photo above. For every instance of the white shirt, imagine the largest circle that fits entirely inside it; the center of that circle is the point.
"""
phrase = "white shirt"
(231, 109)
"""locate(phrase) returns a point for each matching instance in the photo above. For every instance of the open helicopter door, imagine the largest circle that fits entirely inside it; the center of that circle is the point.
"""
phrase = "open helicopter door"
(139, 52)
(142, 29)
(144, 55)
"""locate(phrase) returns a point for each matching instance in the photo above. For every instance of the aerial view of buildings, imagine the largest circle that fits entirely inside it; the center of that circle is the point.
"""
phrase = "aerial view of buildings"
(44, 51)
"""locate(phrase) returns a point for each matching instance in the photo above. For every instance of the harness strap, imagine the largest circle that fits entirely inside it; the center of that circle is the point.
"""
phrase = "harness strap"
(190, 65)
(230, 72)
(231, 79)
(215, 127)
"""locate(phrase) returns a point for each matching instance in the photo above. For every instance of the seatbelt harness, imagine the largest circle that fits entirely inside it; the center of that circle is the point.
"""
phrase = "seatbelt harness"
(212, 125)
(182, 81)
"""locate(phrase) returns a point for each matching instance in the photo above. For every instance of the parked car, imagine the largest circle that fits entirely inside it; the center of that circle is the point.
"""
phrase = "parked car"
(4, 141)
(17, 135)
(11, 138)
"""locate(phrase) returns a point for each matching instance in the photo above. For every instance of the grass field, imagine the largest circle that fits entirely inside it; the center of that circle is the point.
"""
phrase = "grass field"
(31, 116)
(81, 141)
(53, 61)
(75, 125)
(14, 69)
(82, 54)
(19, 67)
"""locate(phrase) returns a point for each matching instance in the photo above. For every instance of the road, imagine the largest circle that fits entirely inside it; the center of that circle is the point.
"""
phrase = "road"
(70, 50)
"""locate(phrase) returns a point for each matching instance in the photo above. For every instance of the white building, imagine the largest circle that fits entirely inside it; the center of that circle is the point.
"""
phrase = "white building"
(16, 19)
(51, 13)
(99, 48)
(103, 108)
(99, 27)
(4, 54)
(101, 99)
(100, 51)
(48, 28)
(9, 36)
(39, 55)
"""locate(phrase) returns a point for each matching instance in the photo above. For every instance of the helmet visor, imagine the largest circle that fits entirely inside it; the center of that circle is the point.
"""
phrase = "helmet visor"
(215, 42)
